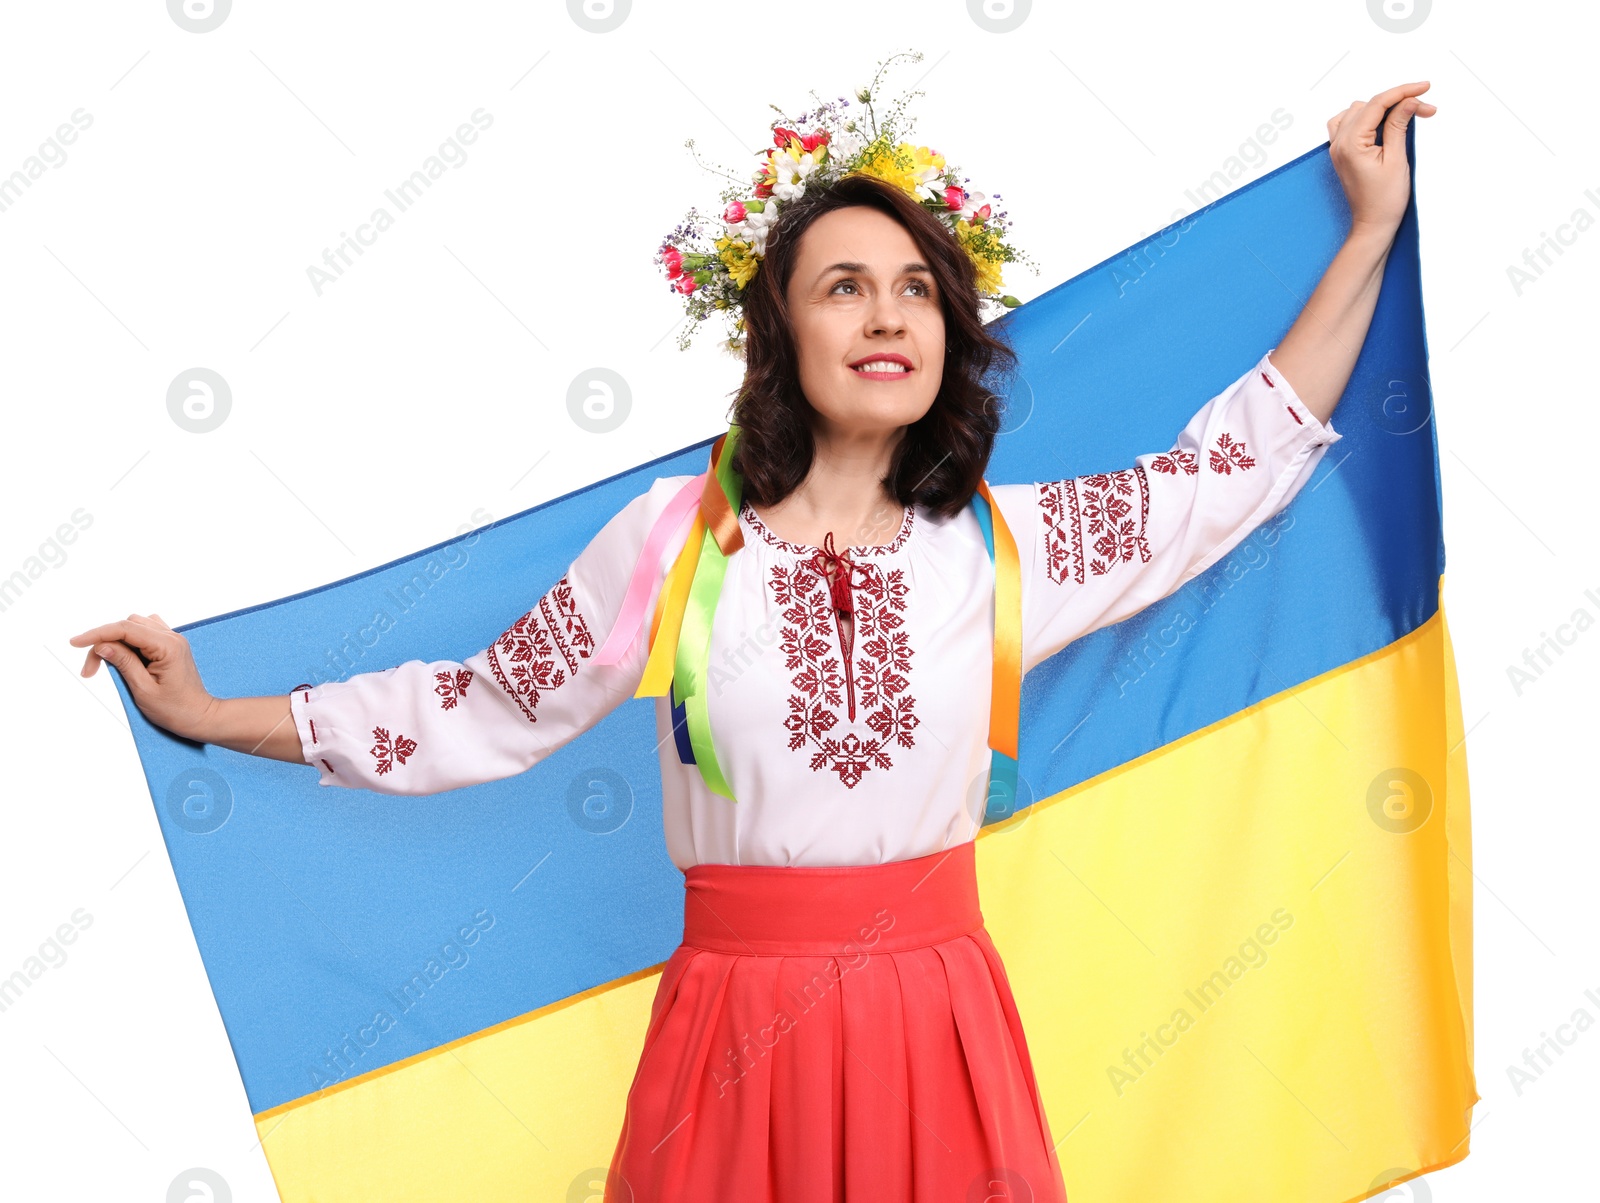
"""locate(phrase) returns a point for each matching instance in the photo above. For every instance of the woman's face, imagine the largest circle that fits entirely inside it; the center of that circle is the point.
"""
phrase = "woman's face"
(859, 289)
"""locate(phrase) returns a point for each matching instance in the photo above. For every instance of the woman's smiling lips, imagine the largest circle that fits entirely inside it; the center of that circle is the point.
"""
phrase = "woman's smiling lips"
(883, 365)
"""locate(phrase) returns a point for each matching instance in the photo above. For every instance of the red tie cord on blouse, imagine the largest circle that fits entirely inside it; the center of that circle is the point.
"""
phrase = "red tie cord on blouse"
(839, 582)
(843, 604)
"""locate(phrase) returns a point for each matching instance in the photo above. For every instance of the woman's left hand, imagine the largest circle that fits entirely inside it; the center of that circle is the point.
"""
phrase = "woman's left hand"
(1376, 179)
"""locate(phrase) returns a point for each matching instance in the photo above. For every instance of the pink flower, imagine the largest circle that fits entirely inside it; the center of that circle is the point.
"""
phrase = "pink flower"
(685, 284)
(781, 136)
(673, 258)
(979, 216)
(954, 197)
(734, 213)
(812, 141)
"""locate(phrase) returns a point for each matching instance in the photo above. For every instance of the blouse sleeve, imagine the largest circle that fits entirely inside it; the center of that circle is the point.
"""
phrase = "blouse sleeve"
(1098, 548)
(427, 726)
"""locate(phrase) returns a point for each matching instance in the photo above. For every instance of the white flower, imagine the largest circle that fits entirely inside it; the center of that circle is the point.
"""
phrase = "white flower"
(845, 146)
(755, 226)
(790, 172)
(974, 202)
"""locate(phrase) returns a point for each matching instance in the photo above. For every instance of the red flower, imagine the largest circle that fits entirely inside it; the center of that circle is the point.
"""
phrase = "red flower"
(673, 258)
(954, 197)
(979, 216)
(781, 137)
(685, 284)
(734, 213)
(763, 190)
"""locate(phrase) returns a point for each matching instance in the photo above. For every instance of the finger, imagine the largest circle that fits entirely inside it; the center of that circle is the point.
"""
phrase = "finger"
(162, 621)
(1400, 117)
(111, 630)
(139, 634)
(121, 657)
(1337, 121)
(1369, 114)
(149, 622)
(91, 664)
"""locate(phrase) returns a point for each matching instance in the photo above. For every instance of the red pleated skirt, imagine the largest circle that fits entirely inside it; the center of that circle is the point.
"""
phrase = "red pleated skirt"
(832, 1034)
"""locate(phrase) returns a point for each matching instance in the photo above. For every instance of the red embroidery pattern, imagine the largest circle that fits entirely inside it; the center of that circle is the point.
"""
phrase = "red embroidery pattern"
(1089, 520)
(799, 549)
(1229, 454)
(313, 723)
(882, 668)
(1268, 379)
(1294, 415)
(390, 752)
(1175, 461)
(542, 648)
(451, 686)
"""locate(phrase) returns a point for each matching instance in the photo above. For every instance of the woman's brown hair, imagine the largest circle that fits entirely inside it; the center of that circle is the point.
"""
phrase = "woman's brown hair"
(943, 454)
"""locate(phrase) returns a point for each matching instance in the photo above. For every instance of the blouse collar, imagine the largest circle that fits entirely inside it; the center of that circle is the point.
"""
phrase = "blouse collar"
(801, 549)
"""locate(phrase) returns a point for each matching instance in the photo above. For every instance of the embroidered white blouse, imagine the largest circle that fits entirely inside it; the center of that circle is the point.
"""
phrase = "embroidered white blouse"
(841, 752)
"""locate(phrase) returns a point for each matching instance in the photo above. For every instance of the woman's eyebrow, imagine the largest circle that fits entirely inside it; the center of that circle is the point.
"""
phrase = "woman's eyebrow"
(905, 268)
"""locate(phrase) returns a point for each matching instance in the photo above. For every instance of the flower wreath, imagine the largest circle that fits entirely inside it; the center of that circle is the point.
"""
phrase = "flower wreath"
(824, 145)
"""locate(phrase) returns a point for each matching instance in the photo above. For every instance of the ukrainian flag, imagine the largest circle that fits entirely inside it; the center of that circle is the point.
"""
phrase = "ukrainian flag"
(1234, 897)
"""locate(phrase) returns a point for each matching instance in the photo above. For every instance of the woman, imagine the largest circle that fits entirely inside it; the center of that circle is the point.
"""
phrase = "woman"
(836, 1021)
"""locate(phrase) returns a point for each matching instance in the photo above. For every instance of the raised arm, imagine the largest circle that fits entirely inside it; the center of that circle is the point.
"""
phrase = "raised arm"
(1100, 547)
(1319, 351)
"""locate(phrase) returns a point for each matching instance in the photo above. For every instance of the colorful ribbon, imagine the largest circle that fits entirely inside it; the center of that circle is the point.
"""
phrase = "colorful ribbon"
(694, 638)
(1005, 695)
(680, 630)
(631, 617)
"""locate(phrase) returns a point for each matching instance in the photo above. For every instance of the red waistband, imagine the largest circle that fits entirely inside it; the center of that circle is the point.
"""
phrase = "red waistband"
(810, 910)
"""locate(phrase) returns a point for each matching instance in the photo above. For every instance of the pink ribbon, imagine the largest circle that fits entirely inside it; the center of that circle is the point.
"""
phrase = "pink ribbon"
(637, 599)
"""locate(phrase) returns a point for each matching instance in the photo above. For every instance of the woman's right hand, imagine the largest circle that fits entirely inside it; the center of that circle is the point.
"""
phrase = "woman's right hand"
(159, 669)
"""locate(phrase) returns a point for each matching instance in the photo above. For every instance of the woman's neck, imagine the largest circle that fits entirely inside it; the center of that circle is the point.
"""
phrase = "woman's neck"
(843, 493)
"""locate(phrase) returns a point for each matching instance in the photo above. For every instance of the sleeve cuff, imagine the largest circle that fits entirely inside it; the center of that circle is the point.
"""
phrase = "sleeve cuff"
(313, 742)
(1323, 432)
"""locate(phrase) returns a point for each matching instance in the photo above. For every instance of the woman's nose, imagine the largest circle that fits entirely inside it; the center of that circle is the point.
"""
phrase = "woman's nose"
(886, 314)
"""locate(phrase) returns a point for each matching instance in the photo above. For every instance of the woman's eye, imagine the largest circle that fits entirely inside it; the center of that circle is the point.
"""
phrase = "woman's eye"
(926, 290)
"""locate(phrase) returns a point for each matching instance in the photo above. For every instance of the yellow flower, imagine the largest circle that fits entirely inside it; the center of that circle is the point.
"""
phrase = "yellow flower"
(988, 274)
(908, 167)
(988, 269)
(738, 259)
(927, 160)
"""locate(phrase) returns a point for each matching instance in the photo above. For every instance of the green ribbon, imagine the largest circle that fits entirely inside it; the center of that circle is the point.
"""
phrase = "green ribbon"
(691, 664)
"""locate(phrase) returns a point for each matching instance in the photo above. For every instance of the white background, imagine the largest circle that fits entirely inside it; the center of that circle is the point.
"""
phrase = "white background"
(429, 384)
